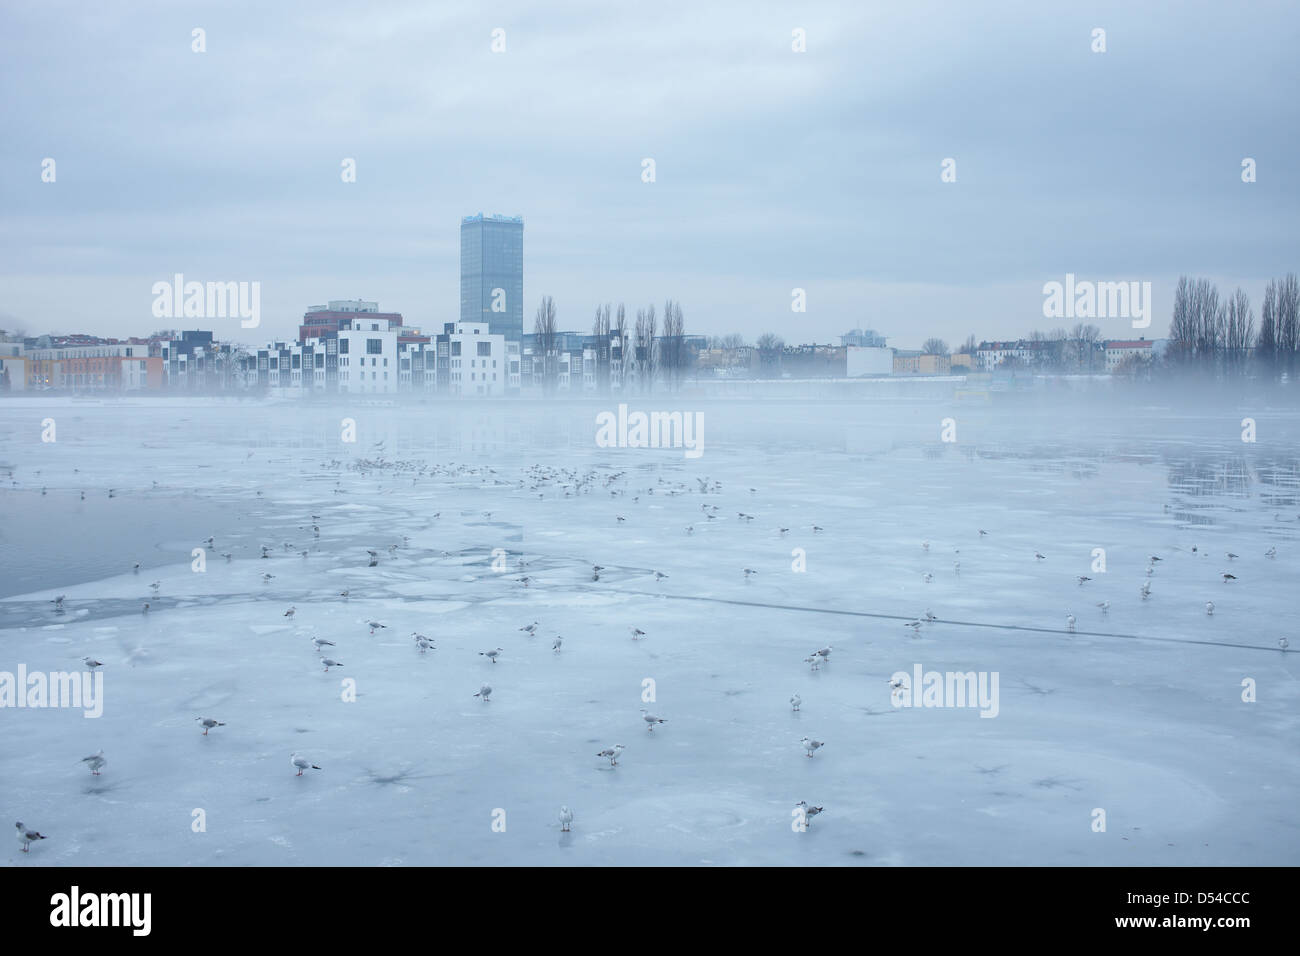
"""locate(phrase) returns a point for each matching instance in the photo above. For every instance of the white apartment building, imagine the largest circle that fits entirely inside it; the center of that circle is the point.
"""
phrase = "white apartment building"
(476, 360)
(367, 356)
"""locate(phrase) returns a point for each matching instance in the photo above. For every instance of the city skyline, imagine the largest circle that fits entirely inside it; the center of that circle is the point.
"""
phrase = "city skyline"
(817, 170)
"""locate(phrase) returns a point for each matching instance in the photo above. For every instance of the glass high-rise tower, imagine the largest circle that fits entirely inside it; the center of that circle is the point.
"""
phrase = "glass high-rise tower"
(492, 273)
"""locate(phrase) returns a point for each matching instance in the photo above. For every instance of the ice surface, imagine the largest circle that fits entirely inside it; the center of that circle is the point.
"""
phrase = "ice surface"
(1139, 712)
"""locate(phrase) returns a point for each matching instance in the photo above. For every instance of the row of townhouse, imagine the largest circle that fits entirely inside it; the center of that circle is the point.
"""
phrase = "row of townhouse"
(370, 354)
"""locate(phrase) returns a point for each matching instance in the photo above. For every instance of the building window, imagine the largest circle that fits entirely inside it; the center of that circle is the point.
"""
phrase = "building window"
(343, 346)
(484, 348)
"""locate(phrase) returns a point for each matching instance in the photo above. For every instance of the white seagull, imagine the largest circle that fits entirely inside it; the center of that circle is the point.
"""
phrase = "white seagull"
(95, 762)
(808, 812)
(612, 753)
(485, 692)
(566, 819)
(208, 723)
(321, 642)
(825, 653)
(650, 719)
(795, 701)
(812, 746)
(491, 655)
(330, 662)
(302, 763)
(1209, 607)
(557, 644)
(92, 663)
(26, 837)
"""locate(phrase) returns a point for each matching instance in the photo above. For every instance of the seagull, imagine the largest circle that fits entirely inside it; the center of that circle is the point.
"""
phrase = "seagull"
(612, 753)
(659, 576)
(929, 616)
(566, 819)
(156, 585)
(302, 763)
(817, 529)
(795, 701)
(96, 762)
(92, 663)
(824, 653)
(1155, 558)
(815, 661)
(227, 555)
(808, 812)
(1209, 607)
(1231, 556)
(344, 594)
(982, 532)
(1271, 553)
(558, 642)
(1283, 643)
(1228, 577)
(1146, 590)
(266, 578)
(321, 642)
(289, 613)
(749, 572)
(925, 545)
(208, 723)
(636, 633)
(1104, 605)
(1040, 556)
(330, 662)
(812, 746)
(650, 719)
(530, 629)
(373, 625)
(58, 601)
(423, 643)
(1069, 622)
(26, 837)
(485, 692)
(927, 577)
(899, 684)
(491, 655)
(1083, 579)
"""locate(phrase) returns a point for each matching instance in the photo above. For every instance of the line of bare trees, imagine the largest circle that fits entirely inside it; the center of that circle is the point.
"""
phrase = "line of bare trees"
(1217, 336)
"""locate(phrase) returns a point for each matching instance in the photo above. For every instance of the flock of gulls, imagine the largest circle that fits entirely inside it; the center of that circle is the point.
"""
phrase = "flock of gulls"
(542, 481)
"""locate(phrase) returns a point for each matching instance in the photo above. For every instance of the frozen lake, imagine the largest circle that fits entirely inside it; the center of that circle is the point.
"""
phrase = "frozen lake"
(1137, 712)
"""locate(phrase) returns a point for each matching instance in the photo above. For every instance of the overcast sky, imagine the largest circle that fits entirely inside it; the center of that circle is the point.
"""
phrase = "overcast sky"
(774, 169)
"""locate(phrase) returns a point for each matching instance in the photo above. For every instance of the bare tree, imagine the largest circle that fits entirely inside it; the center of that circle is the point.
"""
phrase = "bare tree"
(644, 347)
(672, 350)
(1288, 323)
(1266, 351)
(600, 331)
(1238, 334)
(770, 345)
(620, 338)
(934, 347)
(544, 329)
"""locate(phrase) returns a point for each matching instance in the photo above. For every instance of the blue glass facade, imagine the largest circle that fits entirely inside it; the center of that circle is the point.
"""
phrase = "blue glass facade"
(491, 258)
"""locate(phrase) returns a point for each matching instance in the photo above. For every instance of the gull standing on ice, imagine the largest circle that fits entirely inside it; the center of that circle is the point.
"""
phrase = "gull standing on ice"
(795, 701)
(208, 723)
(289, 613)
(812, 746)
(491, 655)
(26, 837)
(95, 762)
(92, 663)
(650, 720)
(636, 633)
(302, 763)
(485, 692)
(566, 819)
(808, 812)
(1209, 607)
(612, 753)
(321, 642)
(330, 662)
(557, 644)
